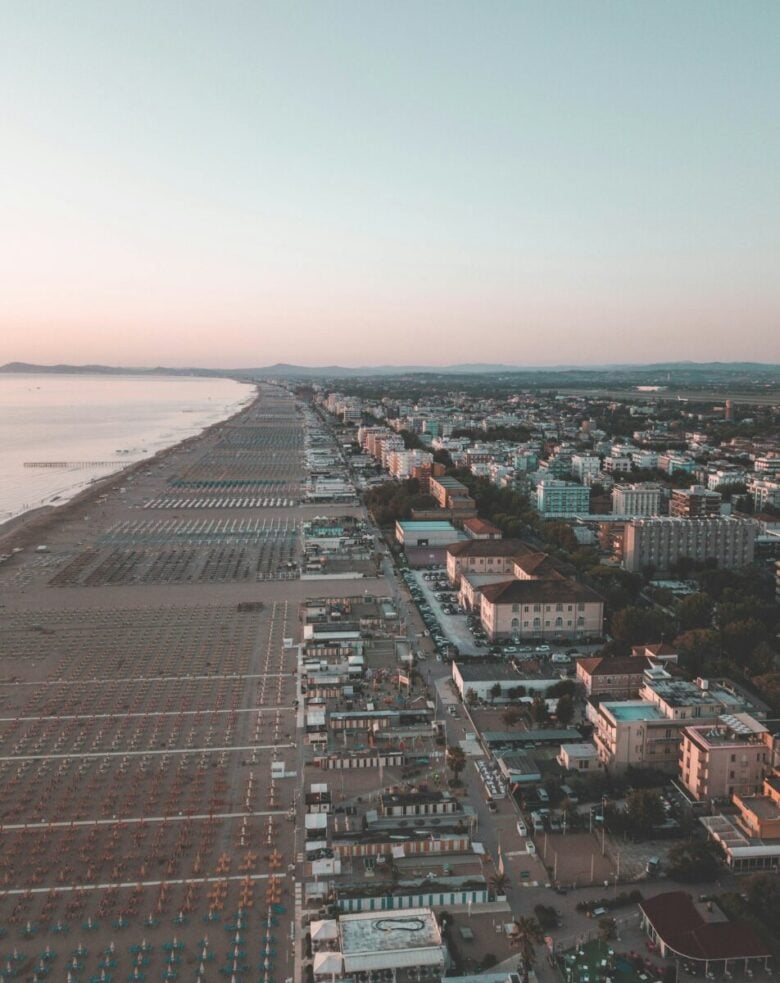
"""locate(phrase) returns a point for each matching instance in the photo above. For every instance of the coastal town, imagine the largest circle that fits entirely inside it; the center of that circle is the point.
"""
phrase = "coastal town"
(380, 681)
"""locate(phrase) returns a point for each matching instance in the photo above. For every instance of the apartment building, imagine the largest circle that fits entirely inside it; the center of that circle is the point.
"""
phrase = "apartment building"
(642, 498)
(615, 464)
(729, 757)
(646, 731)
(764, 491)
(561, 498)
(634, 733)
(661, 541)
(584, 465)
(402, 463)
(451, 494)
(696, 502)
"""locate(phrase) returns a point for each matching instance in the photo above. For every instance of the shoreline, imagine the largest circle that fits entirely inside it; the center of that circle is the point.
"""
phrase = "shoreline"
(16, 532)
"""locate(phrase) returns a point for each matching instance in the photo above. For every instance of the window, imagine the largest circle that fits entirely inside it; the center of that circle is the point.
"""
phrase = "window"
(515, 607)
(559, 607)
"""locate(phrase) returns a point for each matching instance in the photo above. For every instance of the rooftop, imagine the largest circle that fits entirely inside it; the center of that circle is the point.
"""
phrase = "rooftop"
(489, 547)
(434, 525)
(600, 665)
(581, 750)
(539, 591)
(684, 929)
(366, 932)
(628, 710)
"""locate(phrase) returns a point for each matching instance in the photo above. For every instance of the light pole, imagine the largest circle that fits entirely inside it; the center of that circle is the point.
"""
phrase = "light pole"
(603, 825)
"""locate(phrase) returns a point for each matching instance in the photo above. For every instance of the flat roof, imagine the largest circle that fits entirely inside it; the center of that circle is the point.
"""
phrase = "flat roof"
(633, 710)
(367, 933)
(434, 525)
(582, 750)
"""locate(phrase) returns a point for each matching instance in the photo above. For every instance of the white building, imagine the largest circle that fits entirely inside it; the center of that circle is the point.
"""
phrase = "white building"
(639, 499)
(585, 464)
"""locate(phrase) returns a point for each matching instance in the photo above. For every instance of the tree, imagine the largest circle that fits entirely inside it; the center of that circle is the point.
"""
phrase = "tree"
(607, 929)
(456, 760)
(763, 894)
(495, 691)
(695, 611)
(471, 697)
(693, 861)
(697, 649)
(638, 626)
(511, 716)
(529, 935)
(539, 713)
(498, 883)
(564, 710)
(644, 810)
(566, 687)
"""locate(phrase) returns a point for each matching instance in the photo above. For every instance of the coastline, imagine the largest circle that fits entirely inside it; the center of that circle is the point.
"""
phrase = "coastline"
(18, 532)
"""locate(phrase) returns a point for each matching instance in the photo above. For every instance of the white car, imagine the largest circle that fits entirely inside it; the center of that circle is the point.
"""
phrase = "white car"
(529, 846)
(521, 828)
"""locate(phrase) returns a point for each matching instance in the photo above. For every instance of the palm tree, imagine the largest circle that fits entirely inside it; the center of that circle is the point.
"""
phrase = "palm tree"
(456, 759)
(498, 883)
(529, 935)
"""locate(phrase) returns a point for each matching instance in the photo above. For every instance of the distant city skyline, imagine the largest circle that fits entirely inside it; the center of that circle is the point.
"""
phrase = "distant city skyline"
(541, 183)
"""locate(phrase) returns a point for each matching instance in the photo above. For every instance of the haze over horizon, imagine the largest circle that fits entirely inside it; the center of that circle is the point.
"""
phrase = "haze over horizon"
(235, 185)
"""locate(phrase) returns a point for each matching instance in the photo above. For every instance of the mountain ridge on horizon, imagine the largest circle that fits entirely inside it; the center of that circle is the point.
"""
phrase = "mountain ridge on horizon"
(283, 369)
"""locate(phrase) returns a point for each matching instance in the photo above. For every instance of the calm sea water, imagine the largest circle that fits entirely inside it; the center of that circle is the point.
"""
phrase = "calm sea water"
(71, 420)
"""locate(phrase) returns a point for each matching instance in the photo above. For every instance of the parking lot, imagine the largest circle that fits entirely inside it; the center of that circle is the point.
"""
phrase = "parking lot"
(438, 607)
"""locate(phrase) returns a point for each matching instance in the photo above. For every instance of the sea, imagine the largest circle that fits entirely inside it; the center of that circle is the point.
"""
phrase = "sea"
(74, 429)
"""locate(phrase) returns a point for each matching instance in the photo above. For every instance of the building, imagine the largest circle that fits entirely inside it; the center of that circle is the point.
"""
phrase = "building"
(483, 556)
(585, 465)
(647, 731)
(658, 652)
(660, 542)
(696, 502)
(750, 841)
(764, 492)
(701, 934)
(634, 733)
(729, 757)
(484, 677)
(642, 498)
(426, 533)
(613, 678)
(481, 529)
(371, 943)
(617, 464)
(402, 463)
(451, 494)
(541, 609)
(561, 498)
(580, 757)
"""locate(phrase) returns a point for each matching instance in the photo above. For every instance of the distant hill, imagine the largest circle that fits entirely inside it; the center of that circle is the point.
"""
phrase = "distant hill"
(28, 367)
(687, 370)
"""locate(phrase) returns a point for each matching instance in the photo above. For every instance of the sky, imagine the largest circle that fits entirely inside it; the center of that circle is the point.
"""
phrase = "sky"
(233, 184)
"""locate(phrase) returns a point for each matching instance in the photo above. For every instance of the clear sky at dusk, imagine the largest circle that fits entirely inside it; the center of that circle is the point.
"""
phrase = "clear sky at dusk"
(234, 184)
